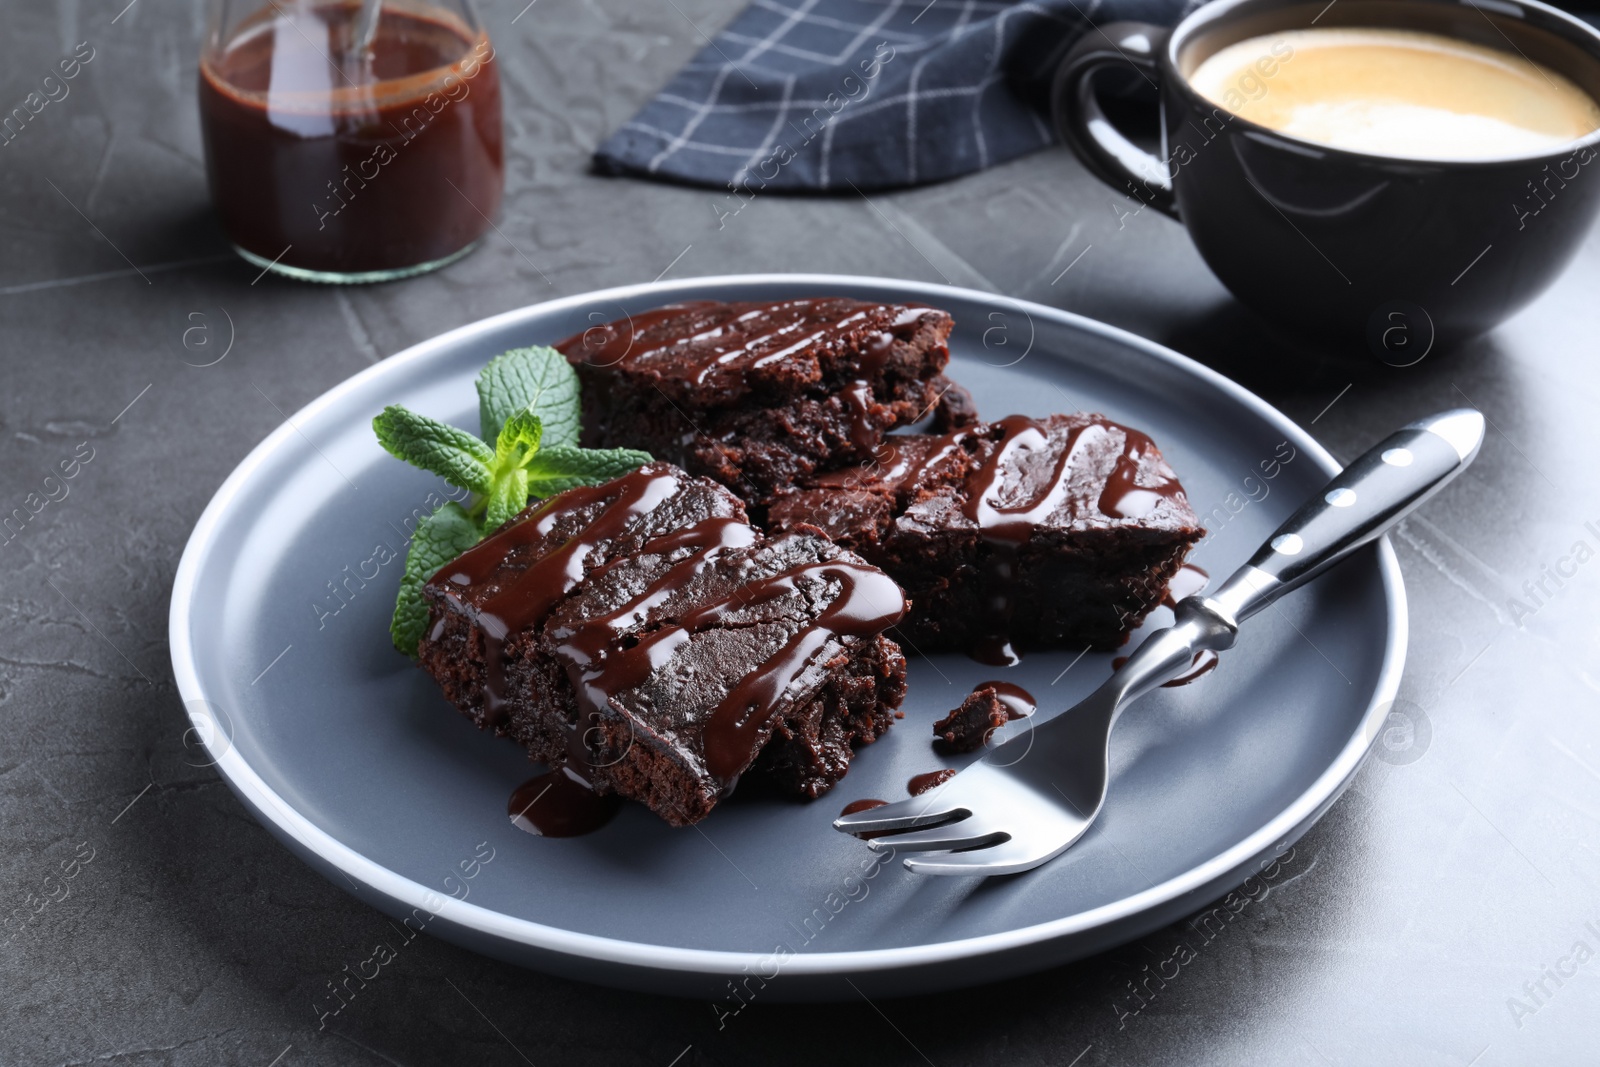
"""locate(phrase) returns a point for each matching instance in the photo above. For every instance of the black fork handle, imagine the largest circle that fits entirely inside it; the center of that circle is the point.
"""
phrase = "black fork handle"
(1362, 503)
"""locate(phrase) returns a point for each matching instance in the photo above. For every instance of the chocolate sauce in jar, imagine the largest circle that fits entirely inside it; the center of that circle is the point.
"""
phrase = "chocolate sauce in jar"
(330, 163)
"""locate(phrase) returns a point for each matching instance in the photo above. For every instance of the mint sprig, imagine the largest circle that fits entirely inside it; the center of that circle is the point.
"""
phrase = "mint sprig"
(528, 406)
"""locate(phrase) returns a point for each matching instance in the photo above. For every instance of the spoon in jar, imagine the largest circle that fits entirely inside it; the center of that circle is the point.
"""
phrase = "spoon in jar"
(366, 31)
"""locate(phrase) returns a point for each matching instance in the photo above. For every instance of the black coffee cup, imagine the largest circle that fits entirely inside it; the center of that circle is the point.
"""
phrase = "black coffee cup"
(1334, 241)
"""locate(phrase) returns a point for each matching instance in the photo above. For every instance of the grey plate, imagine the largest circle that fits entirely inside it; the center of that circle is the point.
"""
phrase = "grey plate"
(352, 757)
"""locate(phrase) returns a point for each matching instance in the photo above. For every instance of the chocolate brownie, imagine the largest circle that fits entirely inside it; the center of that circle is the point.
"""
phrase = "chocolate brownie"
(1027, 533)
(647, 638)
(758, 395)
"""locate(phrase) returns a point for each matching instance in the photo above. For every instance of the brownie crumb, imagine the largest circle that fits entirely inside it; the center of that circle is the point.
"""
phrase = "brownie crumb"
(967, 727)
(955, 409)
(923, 783)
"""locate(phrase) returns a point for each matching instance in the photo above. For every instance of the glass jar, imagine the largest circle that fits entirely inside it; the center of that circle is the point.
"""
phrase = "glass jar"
(332, 163)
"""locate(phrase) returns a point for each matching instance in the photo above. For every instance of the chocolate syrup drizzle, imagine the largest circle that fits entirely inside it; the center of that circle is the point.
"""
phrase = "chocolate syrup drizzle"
(722, 342)
(1012, 524)
(894, 465)
(864, 429)
(530, 595)
(1123, 497)
(866, 603)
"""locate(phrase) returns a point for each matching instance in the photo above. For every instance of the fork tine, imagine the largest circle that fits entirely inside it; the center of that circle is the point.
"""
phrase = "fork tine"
(1006, 857)
(901, 815)
(963, 833)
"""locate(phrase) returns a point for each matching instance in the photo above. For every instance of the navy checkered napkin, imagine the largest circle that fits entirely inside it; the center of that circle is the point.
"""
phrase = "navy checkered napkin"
(826, 94)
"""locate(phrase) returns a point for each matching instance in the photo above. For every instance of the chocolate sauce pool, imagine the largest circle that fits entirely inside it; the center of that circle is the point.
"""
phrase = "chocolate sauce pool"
(865, 804)
(555, 804)
(1017, 701)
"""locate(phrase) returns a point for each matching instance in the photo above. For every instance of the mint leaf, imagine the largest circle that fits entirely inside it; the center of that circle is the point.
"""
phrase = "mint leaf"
(519, 439)
(455, 455)
(440, 538)
(510, 496)
(508, 491)
(539, 378)
(557, 469)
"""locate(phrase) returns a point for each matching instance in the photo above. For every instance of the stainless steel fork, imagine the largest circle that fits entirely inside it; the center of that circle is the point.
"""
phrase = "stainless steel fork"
(1005, 814)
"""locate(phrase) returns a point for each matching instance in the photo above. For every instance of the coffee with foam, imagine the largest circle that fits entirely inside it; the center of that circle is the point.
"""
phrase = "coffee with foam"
(1397, 93)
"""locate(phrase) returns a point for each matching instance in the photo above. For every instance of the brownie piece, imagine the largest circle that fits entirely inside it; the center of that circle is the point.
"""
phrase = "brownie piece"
(1048, 533)
(987, 708)
(758, 395)
(643, 635)
(967, 727)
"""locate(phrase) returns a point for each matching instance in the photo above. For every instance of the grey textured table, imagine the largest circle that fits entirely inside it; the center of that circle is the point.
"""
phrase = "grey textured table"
(1444, 912)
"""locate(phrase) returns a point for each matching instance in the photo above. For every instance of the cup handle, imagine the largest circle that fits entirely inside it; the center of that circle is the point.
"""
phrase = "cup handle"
(1109, 155)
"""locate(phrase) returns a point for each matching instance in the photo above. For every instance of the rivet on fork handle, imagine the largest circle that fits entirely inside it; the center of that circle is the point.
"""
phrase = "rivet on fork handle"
(1377, 490)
